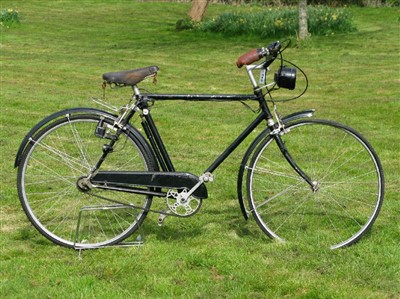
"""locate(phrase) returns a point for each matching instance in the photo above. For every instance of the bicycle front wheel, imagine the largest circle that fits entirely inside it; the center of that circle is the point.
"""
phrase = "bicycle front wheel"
(345, 170)
(49, 171)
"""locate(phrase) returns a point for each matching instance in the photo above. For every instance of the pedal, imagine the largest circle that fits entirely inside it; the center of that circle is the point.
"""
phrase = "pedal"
(161, 219)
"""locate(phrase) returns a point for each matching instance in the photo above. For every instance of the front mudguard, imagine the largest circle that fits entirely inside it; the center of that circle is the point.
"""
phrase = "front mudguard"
(264, 134)
(67, 113)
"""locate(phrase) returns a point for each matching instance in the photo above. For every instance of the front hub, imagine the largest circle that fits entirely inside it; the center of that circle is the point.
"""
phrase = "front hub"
(315, 186)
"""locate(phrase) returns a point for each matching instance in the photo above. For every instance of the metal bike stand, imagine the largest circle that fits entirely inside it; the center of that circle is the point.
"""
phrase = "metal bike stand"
(137, 243)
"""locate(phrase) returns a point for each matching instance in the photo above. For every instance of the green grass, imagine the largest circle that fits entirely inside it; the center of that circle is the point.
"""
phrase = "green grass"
(54, 60)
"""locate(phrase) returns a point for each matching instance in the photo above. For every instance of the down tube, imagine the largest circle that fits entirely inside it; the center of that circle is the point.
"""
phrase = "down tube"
(236, 143)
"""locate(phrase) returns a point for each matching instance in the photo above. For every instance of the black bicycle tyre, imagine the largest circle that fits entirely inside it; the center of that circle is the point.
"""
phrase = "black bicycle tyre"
(350, 178)
(51, 153)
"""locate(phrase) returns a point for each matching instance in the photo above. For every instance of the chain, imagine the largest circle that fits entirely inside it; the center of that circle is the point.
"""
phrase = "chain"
(130, 205)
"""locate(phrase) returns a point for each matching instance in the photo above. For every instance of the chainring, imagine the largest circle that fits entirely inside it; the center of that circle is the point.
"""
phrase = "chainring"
(181, 205)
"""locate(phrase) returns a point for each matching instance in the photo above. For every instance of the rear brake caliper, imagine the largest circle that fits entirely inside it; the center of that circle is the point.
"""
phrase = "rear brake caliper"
(104, 130)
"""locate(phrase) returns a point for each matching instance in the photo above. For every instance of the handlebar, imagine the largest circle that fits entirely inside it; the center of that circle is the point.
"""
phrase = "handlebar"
(256, 54)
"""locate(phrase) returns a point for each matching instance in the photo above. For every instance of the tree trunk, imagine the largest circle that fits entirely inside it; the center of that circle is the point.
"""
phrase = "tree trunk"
(303, 19)
(198, 9)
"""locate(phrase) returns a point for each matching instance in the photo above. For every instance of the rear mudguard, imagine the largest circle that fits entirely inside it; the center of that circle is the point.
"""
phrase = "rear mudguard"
(169, 180)
(67, 113)
(264, 134)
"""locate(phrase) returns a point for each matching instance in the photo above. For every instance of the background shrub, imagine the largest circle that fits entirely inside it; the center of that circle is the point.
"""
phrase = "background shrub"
(279, 22)
(8, 17)
(362, 3)
(323, 20)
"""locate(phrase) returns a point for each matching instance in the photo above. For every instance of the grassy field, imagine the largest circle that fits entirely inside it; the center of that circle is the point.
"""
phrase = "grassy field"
(55, 59)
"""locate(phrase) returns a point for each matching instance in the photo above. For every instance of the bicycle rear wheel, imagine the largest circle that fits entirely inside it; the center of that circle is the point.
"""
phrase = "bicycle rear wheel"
(346, 170)
(50, 168)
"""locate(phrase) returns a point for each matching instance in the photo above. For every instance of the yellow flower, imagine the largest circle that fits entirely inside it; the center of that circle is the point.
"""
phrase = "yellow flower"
(334, 17)
(278, 23)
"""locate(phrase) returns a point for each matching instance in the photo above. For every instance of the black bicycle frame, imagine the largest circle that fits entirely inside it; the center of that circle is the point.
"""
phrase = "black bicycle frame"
(265, 114)
(158, 145)
(169, 178)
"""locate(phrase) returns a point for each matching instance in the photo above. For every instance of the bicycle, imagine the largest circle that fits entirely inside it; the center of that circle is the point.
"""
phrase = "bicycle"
(300, 178)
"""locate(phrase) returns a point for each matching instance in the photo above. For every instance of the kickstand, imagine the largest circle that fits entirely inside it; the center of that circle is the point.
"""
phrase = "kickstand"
(161, 218)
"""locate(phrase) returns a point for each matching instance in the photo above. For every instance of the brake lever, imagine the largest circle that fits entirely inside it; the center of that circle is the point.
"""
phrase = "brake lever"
(274, 48)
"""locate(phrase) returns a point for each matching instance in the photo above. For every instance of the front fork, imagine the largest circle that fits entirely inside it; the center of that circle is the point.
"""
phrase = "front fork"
(277, 128)
(281, 144)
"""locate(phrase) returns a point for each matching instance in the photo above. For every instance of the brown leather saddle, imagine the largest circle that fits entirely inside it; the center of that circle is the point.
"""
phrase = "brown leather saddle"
(130, 78)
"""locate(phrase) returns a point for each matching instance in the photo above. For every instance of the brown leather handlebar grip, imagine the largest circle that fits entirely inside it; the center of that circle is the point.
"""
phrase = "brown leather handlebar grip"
(249, 57)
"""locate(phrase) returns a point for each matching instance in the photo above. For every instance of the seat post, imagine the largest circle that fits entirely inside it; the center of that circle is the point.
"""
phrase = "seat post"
(136, 91)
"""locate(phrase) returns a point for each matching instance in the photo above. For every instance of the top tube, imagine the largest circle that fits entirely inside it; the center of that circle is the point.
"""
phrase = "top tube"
(202, 97)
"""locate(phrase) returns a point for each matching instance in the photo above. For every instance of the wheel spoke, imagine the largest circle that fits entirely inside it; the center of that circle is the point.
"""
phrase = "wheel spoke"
(56, 159)
(348, 179)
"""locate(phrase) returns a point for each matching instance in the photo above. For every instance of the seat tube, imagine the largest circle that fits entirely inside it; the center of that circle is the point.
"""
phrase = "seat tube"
(158, 145)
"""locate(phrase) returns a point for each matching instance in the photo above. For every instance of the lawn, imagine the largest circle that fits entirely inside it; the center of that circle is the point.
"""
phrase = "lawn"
(54, 60)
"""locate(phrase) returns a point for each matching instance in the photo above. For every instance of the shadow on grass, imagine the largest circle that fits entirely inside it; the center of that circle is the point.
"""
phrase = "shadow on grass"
(225, 222)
